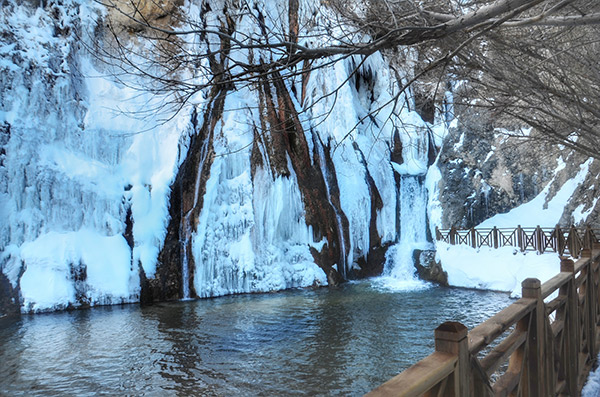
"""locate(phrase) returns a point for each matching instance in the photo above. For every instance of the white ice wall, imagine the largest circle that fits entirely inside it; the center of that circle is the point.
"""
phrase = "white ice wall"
(79, 156)
(75, 161)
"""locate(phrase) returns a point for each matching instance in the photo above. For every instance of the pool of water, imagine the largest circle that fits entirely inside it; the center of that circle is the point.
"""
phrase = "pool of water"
(343, 341)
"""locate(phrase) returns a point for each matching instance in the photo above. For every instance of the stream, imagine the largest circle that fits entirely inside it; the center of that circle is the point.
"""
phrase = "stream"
(343, 341)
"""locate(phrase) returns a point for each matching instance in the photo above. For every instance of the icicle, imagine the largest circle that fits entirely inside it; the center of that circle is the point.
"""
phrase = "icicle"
(340, 226)
(485, 188)
(185, 231)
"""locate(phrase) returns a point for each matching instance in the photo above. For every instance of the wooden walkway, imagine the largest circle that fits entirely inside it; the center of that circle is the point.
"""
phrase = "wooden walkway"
(544, 344)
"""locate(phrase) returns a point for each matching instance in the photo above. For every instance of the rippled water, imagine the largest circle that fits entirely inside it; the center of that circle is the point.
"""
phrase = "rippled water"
(307, 342)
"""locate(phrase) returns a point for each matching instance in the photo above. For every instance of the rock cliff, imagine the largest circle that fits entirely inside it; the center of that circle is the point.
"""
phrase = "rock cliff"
(488, 168)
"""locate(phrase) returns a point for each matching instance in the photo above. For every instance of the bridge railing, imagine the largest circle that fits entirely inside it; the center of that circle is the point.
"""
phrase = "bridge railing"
(543, 344)
(560, 240)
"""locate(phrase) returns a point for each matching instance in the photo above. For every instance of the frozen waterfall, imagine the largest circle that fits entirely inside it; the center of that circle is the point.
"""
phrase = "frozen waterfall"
(86, 184)
(399, 269)
(186, 225)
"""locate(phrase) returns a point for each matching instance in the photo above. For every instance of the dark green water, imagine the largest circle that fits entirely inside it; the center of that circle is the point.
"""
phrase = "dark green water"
(305, 342)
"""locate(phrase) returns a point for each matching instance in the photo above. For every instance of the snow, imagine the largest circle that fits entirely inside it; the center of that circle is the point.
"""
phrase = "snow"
(54, 260)
(501, 269)
(580, 214)
(461, 141)
(540, 210)
(410, 167)
(592, 385)
(434, 207)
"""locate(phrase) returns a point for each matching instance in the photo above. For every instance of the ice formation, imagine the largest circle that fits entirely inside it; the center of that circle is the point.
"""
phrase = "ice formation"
(88, 172)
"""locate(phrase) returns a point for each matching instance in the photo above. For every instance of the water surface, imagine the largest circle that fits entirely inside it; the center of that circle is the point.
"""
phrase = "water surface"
(342, 341)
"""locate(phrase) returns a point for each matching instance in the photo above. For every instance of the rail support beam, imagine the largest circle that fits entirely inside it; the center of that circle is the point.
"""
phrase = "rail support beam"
(451, 337)
(538, 378)
(572, 336)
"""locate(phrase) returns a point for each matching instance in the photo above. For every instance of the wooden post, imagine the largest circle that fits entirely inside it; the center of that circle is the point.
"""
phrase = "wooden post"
(453, 234)
(557, 238)
(594, 296)
(571, 328)
(495, 236)
(588, 238)
(562, 243)
(538, 376)
(572, 242)
(589, 320)
(438, 234)
(473, 238)
(451, 337)
(586, 253)
(539, 239)
(591, 296)
(520, 238)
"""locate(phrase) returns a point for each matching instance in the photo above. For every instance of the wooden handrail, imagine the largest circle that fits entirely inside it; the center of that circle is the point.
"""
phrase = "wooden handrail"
(554, 283)
(539, 239)
(442, 371)
(486, 332)
(419, 378)
(532, 347)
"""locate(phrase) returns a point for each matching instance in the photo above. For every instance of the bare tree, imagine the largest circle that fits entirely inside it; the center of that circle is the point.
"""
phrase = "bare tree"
(549, 81)
(533, 60)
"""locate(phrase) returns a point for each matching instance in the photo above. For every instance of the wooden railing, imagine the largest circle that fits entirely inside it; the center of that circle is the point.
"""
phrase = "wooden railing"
(544, 344)
(562, 241)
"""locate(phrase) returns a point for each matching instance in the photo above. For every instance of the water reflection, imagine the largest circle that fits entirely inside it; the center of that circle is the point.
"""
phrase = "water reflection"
(319, 342)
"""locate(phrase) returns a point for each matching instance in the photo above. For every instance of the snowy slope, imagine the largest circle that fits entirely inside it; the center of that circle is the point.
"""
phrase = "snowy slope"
(543, 210)
(501, 269)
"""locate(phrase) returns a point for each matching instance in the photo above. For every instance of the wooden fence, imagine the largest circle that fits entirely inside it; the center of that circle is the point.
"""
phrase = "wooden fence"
(544, 344)
(562, 241)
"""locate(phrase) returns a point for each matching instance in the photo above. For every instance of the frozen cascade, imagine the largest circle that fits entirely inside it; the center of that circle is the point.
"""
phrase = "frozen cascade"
(73, 174)
(251, 234)
(77, 176)
(399, 269)
(340, 225)
(185, 232)
(413, 222)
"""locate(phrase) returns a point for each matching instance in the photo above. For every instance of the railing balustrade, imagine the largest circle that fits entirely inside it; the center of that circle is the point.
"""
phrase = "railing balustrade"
(562, 241)
(544, 344)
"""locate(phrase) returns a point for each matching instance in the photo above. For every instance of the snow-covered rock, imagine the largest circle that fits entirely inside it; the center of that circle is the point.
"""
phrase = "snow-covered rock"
(487, 170)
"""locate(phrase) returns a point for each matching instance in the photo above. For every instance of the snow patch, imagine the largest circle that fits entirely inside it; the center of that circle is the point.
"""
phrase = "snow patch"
(501, 269)
(592, 385)
(64, 269)
(581, 215)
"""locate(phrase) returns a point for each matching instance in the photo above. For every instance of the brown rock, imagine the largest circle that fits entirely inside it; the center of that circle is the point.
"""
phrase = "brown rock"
(428, 268)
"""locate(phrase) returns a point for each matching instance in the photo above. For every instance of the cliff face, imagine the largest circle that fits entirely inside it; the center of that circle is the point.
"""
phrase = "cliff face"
(246, 188)
(486, 171)
(82, 195)
(269, 197)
